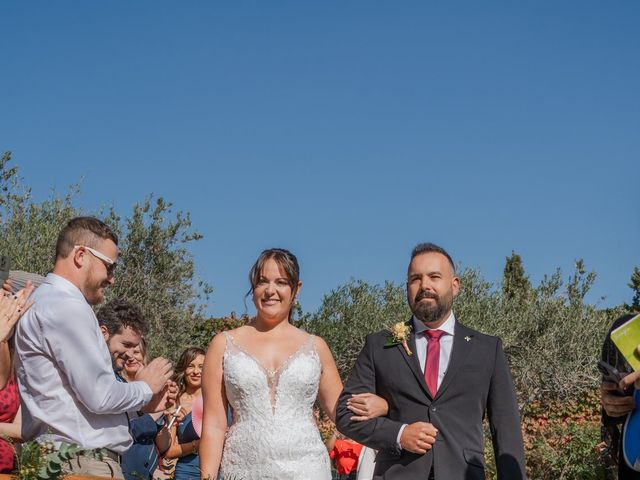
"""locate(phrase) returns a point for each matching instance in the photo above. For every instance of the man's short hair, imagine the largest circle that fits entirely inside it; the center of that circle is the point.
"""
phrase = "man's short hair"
(119, 314)
(429, 247)
(87, 231)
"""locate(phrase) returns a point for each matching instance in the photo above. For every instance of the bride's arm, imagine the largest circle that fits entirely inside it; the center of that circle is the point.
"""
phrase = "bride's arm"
(365, 406)
(330, 383)
(214, 418)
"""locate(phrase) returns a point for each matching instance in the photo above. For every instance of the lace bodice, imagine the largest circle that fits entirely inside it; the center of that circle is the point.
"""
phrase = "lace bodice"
(274, 435)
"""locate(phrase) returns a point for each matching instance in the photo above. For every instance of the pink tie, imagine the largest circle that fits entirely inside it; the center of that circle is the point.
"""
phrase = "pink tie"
(433, 360)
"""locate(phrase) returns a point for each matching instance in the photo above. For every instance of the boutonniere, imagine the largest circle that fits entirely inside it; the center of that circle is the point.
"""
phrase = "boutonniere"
(399, 336)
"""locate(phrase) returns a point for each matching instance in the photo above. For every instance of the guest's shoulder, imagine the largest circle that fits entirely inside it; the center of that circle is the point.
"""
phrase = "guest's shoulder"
(54, 306)
(63, 305)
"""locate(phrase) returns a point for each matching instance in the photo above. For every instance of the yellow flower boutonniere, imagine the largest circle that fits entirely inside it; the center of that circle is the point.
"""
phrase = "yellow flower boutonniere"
(399, 336)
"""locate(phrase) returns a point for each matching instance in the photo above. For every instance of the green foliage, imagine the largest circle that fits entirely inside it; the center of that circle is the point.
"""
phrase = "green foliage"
(543, 334)
(158, 273)
(578, 459)
(562, 439)
(202, 334)
(41, 461)
(29, 230)
(634, 284)
(515, 284)
(560, 450)
(348, 313)
(157, 269)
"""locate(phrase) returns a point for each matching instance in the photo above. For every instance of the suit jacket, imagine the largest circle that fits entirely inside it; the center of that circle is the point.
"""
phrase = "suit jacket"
(477, 381)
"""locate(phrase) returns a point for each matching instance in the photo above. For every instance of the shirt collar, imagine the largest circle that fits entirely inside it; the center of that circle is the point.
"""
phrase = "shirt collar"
(447, 327)
(64, 284)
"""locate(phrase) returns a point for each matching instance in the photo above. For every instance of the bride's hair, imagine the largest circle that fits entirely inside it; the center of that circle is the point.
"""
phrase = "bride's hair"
(287, 262)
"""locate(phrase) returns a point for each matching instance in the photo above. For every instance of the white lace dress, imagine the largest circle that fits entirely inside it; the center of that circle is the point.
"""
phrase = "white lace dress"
(274, 435)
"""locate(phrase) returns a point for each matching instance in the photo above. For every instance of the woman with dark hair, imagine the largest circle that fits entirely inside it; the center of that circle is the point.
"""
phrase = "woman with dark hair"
(271, 373)
(184, 440)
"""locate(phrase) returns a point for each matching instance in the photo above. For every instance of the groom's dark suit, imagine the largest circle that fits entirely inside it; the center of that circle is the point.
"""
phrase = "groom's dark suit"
(477, 381)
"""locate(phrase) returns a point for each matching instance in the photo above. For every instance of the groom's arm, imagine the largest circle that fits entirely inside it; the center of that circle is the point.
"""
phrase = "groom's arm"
(504, 420)
(378, 433)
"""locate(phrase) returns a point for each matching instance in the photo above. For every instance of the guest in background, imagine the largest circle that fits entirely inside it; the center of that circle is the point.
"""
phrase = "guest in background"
(184, 441)
(11, 309)
(10, 424)
(616, 405)
(135, 362)
(64, 369)
(123, 326)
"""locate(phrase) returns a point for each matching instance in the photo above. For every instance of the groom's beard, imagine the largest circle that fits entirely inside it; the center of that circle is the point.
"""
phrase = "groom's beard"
(431, 312)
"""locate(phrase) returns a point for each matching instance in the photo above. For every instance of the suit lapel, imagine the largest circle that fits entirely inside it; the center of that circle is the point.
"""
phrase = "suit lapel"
(462, 346)
(412, 360)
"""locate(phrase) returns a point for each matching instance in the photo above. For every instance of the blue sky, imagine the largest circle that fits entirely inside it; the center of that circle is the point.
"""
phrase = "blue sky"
(344, 131)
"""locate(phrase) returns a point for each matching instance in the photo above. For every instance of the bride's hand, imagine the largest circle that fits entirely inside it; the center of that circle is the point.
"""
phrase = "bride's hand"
(366, 406)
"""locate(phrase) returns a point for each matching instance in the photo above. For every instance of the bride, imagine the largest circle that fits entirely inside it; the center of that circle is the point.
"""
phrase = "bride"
(270, 373)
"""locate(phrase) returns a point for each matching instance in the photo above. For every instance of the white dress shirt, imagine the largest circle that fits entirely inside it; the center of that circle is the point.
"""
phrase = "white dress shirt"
(446, 345)
(68, 389)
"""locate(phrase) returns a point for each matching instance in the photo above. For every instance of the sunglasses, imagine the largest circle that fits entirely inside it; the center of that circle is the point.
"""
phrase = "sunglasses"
(109, 263)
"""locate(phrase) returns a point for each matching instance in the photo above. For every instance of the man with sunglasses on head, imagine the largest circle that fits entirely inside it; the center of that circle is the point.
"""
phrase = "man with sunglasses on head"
(68, 389)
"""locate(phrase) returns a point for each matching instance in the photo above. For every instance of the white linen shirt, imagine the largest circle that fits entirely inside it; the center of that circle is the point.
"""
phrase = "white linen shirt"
(68, 389)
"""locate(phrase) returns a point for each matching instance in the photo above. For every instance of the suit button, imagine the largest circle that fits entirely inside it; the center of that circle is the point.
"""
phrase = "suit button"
(433, 409)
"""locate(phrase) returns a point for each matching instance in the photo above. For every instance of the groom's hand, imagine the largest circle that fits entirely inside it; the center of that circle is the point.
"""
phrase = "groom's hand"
(418, 437)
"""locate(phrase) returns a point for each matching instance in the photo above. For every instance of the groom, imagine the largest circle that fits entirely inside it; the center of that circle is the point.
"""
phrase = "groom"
(439, 385)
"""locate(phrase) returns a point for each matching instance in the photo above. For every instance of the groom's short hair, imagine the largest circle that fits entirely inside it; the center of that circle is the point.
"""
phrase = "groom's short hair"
(429, 247)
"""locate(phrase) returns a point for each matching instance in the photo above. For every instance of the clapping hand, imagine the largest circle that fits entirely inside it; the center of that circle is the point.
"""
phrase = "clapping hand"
(12, 307)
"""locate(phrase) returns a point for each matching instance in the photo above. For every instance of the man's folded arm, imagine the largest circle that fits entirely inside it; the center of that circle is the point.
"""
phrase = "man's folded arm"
(379, 433)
